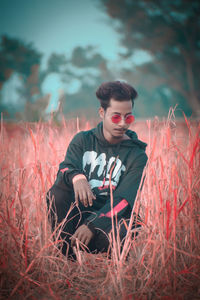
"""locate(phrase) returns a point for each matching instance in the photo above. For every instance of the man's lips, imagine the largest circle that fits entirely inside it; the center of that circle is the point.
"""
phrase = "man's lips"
(120, 130)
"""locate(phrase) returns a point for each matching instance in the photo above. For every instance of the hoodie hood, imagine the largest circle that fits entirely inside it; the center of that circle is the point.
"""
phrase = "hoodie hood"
(134, 141)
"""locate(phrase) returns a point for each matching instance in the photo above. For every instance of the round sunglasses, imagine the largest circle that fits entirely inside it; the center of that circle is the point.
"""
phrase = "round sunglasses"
(117, 119)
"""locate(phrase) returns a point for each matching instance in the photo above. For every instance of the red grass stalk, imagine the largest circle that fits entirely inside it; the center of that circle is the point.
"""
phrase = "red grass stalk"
(168, 207)
(188, 124)
(34, 143)
(195, 147)
(116, 254)
(26, 239)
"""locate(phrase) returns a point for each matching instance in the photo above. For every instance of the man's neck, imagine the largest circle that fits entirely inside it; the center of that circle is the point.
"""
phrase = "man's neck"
(114, 140)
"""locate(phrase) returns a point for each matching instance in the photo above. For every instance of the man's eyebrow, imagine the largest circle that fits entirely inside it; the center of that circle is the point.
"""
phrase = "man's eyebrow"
(117, 113)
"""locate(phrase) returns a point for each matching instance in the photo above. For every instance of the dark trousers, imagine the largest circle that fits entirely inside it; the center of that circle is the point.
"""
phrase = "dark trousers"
(59, 203)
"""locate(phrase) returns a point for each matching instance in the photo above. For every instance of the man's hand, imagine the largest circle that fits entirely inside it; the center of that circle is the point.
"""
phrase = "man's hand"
(82, 190)
(83, 234)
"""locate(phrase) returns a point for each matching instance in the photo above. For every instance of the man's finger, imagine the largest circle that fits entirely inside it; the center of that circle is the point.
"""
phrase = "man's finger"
(73, 238)
(90, 199)
(83, 239)
(86, 242)
(76, 197)
(85, 201)
(73, 241)
(83, 198)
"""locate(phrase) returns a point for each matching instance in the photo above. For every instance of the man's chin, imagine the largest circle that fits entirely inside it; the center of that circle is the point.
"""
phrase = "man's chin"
(119, 133)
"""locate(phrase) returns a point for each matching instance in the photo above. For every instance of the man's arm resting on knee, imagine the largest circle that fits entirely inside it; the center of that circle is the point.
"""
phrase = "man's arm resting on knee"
(123, 197)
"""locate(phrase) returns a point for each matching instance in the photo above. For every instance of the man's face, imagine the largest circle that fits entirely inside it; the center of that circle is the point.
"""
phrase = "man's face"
(115, 132)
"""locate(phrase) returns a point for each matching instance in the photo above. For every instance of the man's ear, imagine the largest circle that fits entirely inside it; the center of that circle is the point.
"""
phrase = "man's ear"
(101, 112)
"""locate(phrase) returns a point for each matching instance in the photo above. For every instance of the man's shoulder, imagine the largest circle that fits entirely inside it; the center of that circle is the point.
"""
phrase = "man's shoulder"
(135, 141)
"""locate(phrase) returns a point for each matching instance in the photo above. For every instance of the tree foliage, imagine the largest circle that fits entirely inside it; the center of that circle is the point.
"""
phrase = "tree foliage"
(169, 30)
(86, 66)
(15, 55)
(56, 62)
(21, 58)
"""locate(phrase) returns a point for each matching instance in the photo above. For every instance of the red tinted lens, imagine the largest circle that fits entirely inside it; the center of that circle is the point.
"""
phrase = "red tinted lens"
(129, 119)
(116, 119)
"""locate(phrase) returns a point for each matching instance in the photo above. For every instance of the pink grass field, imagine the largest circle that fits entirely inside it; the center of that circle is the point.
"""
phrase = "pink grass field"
(164, 259)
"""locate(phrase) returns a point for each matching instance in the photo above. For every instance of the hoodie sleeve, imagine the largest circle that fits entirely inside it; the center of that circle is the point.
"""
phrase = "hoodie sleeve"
(72, 164)
(123, 197)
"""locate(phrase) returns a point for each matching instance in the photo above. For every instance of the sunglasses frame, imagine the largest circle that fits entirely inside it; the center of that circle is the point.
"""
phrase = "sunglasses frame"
(120, 118)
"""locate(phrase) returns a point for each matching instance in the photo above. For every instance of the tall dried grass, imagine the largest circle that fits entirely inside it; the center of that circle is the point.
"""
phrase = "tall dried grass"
(164, 259)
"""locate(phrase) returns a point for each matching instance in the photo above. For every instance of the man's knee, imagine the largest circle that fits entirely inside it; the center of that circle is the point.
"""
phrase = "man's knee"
(59, 202)
(59, 197)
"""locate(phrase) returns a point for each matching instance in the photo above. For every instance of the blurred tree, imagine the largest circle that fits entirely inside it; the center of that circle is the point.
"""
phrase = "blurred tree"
(90, 68)
(56, 62)
(86, 57)
(169, 30)
(17, 56)
(22, 59)
(86, 67)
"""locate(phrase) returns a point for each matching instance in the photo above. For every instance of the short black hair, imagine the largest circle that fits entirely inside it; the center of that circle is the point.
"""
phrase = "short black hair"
(118, 90)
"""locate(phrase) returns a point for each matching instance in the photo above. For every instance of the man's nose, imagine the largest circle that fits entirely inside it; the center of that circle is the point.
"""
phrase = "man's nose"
(122, 122)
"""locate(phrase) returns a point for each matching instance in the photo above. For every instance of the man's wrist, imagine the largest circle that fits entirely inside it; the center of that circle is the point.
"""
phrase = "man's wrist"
(78, 177)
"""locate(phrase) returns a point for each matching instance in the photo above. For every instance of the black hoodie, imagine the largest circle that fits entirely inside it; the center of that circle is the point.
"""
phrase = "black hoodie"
(89, 153)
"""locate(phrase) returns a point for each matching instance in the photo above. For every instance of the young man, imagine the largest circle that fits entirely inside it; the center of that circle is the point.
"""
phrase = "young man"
(92, 157)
